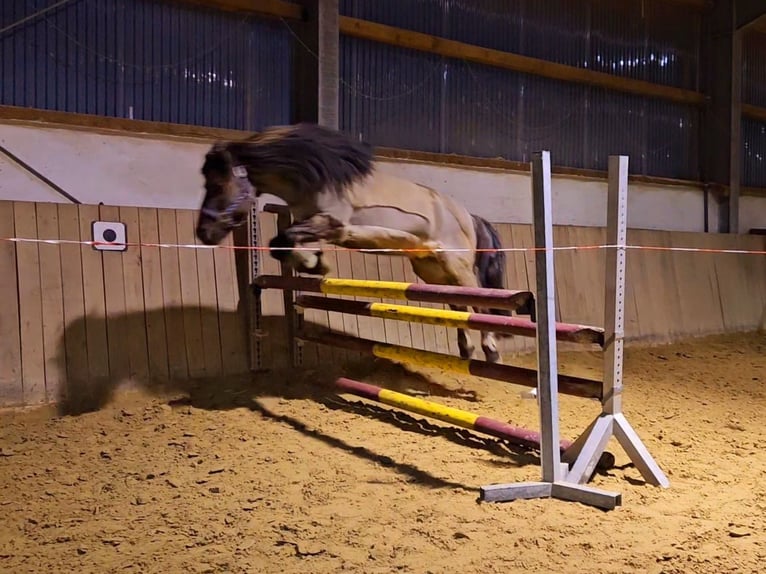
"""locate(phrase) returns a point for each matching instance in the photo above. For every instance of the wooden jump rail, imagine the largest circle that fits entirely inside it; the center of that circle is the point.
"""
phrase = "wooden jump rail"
(515, 435)
(520, 301)
(448, 318)
(568, 385)
(497, 298)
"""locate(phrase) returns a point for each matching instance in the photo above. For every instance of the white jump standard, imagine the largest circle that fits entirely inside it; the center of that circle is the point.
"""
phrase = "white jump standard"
(559, 479)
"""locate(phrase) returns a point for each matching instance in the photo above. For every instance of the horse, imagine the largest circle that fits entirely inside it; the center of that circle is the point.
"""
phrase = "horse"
(337, 194)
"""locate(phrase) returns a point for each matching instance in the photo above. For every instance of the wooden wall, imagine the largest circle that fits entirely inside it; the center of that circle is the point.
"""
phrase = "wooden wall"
(670, 295)
(77, 321)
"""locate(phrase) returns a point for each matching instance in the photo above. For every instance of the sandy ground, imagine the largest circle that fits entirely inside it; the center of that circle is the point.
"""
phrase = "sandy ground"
(277, 476)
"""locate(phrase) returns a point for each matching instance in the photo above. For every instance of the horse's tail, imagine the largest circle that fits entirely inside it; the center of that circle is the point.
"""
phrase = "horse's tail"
(489, 265)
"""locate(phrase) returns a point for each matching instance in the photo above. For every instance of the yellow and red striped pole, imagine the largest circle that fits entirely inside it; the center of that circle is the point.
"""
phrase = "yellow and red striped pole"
(515, 435)
(421, 292)
(448, 318)
(568, 384)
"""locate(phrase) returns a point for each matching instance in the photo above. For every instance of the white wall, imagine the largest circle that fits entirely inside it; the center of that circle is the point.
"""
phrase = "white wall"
(93, 167)
(505, 197)
(154, 172)
(752, 213)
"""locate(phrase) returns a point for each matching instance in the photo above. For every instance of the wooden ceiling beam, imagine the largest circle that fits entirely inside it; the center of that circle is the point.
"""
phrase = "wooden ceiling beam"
(272, 8)
(701, 5)
(509, 61)
(754, 112)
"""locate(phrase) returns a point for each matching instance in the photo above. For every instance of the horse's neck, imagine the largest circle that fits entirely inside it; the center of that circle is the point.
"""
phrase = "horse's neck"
(301, 205)
(277, 187)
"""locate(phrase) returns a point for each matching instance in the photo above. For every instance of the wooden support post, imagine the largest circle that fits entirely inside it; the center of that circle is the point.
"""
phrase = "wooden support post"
(735, 147)
(547, 361)
(748, 13)
(317, 70)
(293, 318)
(328, 103)
(254, 307)
(720, 121)
(586, 451)
(553, 483)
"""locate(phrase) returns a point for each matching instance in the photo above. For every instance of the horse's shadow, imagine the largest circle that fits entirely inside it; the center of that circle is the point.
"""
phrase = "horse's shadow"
(81, 392)
(202, 351)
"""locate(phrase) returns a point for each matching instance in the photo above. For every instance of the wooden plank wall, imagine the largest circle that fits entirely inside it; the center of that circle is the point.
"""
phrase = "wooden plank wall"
(670, 295)
(76, 320)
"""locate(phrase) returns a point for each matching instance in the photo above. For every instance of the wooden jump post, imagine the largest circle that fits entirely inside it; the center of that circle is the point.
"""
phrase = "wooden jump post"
(585, 453)
(560, 480)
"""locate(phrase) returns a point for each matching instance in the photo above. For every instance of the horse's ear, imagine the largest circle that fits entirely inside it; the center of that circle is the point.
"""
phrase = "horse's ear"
(217, 158)
(219, 154)
(218, 148)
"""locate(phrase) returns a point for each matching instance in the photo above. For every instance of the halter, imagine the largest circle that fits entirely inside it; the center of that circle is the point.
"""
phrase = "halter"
(246, 193)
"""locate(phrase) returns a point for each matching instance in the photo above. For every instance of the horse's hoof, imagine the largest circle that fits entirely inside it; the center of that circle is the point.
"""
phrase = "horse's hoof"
(529, 308)
(466, 354)
(321, 268)
(279, 247)
(491, 356)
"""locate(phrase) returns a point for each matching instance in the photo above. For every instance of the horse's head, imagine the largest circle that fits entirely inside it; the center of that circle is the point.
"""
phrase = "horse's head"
(228, 195)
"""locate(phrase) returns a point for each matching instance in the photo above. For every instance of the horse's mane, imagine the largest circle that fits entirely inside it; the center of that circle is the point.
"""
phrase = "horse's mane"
(309, 156)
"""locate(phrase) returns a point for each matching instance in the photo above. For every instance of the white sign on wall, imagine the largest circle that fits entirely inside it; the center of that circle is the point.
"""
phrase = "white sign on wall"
(109, 236)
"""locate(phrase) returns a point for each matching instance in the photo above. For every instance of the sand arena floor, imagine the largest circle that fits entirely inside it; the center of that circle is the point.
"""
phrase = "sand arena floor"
(279, 476)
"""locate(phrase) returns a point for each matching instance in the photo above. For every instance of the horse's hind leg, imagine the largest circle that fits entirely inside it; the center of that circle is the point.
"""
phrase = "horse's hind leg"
(458, 265)
(469, 279)
(489, 344)
(488, 341)
(466, 346)
(464, 343)
(454, 269)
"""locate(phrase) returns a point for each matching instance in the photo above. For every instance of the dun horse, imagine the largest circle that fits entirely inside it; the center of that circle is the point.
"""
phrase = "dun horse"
(336, 194)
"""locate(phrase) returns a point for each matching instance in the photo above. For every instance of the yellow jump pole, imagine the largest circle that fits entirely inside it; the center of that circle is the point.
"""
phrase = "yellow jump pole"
(519, 301)
(568, 385)
(449, 318)
(515, 435)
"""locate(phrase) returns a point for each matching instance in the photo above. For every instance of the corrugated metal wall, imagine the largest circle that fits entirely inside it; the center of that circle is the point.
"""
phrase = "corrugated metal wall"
(146, 59)
(754, 69)
(754, 92)
(404, 98)
(166, 61)
(754, 153)
(390, 96)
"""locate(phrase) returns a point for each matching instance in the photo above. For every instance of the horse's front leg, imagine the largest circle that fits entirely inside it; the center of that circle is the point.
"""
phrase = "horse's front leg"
(283, 249)
(314, 229)
(319, 227)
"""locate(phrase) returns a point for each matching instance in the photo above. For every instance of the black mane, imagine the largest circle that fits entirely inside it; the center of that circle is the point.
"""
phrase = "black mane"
(309, 156)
